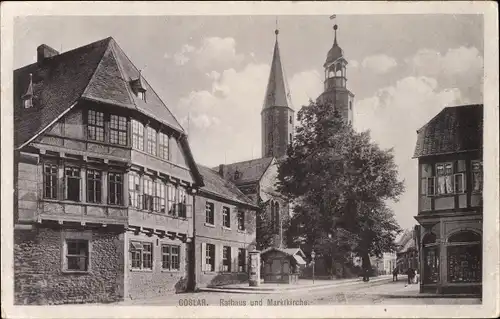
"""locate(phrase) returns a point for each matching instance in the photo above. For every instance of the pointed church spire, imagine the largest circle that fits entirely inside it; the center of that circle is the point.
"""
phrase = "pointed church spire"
(276, 93)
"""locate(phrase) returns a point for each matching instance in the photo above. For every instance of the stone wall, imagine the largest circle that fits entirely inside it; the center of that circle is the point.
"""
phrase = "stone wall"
(142, 283)
(38, 272)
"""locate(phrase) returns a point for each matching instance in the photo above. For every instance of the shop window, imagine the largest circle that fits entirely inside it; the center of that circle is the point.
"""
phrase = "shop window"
(431, 259)
(464, 257)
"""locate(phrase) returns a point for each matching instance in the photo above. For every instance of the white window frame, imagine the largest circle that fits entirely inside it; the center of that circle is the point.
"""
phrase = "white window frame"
(224, 215)
(66, 255)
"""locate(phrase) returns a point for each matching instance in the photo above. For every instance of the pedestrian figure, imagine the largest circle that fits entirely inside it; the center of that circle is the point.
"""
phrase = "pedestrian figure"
(416, 277)
(395, 274)
(409, 273)
(365, 275)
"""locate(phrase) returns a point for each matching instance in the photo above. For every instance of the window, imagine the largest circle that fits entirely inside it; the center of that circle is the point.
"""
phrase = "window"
(159, 203)
(115, 184)
(477, 176)
(137, 135)
(182, 203)
(241, 259)
(226, 259)
(171, 199)
(163, 146)
(151, 147)
(95, 126)
(134, 190)
(28, 103)
(241, 220)
(141, 95)
(148, 194)
(77, 255)
(209, 257)
(94, 180)
(209, 213)
(72, 176)
(290, 121)
(118, 130)
(170, 257)
(226, 217)
(464, 257)
(50, 181)
(429, 186)
(444, 173)
(141, 255)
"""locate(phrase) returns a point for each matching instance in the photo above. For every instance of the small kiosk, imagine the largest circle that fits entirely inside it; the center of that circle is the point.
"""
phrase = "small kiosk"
(282, 265)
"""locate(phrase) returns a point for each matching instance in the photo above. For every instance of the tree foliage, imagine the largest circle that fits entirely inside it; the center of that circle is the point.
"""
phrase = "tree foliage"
(340, 181)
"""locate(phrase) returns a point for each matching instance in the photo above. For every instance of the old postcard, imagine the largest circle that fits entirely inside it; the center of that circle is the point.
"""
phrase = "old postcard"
(278, 160)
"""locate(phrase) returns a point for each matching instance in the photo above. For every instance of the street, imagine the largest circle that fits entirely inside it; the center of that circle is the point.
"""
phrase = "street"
(360, 294)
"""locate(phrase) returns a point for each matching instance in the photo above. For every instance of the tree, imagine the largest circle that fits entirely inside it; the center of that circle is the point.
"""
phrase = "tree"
(340, 181)
(264, 227)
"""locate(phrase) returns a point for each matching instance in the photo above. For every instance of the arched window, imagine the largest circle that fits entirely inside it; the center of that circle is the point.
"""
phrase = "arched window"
(464, 254)
(431, 259)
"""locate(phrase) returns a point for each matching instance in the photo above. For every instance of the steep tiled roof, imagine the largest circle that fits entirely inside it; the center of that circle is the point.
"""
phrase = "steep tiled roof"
(218, 186)
(454, 129)
(100, 72)
(248, 171)
(58, 82)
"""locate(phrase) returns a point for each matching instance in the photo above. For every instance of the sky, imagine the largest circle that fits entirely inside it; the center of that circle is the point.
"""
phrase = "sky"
(212, 71)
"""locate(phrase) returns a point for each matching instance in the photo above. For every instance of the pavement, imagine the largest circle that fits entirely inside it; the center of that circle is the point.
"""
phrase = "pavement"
(379, 290)
(303, 285)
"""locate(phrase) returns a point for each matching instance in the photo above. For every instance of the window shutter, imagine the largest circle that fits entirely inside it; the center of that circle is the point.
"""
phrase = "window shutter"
(219, 265)
(234, 257)
(203, 256)
(246, 261)
(424, 189)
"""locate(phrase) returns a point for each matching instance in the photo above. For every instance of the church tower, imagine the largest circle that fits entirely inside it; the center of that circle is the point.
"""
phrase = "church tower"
(335, 90)
(277, 115)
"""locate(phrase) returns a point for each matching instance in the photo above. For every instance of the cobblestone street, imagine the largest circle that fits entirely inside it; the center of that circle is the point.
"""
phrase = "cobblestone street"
(359, 294)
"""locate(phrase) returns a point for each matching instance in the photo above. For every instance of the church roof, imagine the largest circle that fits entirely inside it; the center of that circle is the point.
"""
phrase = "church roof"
(99, 71)
(248, 171)
(277, 93)
(216, 185)
(454, 129)
(335, 52)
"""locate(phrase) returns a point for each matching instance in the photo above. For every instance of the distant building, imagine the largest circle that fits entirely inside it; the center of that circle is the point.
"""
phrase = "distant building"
(407, 252)
(450, 207)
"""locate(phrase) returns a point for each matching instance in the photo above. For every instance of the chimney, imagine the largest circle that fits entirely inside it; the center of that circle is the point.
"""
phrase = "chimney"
(222, 170)
(44, 51)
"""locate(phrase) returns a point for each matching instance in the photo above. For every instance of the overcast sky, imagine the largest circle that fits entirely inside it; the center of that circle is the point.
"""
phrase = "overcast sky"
(403, 69)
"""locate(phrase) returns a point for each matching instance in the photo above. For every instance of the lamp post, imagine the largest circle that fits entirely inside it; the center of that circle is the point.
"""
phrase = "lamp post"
(313, 255)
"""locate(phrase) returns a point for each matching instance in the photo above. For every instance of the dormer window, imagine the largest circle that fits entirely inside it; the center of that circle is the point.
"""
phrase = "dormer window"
(237, 175)
(28, 96)
(138, 87)
(141, 95)
(27, 102)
